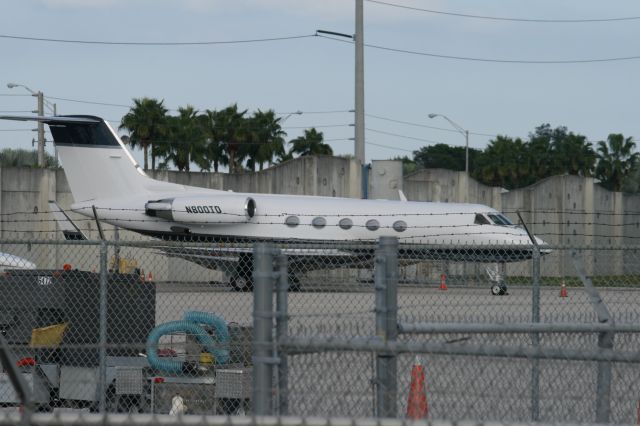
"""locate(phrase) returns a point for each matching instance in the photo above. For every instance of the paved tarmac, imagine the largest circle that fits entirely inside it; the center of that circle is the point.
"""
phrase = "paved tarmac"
(458, 387)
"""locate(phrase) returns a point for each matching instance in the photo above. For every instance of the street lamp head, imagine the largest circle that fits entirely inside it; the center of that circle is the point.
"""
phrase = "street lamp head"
(12, 85)
(432, 115)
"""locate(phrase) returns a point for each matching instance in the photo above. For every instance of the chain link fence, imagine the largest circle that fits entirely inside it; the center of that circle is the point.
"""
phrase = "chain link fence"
(333, 329)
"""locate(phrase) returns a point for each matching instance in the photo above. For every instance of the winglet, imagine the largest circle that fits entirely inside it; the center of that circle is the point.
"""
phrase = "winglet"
(68, 228)
(402, 196)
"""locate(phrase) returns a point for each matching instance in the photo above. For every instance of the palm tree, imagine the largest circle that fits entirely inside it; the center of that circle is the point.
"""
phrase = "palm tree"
(145, 122)
(230, 129)
(213, 152)
(310, 144)
(540, 153)
(616, 161)
(186, 139)
(265, 138)
(574, 155)
(503, 163)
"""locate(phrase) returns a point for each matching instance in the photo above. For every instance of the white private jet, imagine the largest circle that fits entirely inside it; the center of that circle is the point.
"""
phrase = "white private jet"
(102, 174)
(11, 261)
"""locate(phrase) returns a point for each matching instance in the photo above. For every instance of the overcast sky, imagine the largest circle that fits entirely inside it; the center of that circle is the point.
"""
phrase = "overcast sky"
(315, 75)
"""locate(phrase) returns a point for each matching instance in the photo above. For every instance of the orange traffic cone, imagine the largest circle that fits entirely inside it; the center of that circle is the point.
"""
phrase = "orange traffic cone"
(563, 291)
(150, 278)
(417, 407)
(443, 282)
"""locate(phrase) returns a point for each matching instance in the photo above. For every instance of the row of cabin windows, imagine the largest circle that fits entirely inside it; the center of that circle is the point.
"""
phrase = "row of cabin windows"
(346, 223)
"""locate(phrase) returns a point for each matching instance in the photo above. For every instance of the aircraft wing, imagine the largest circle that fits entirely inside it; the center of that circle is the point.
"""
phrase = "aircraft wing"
(226, 258)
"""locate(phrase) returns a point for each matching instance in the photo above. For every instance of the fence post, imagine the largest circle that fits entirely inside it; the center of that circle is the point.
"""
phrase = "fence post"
(263, 360)
(386, 282)
(605, 341)
(282, 324)
(535, 337)
(102, 374)
(18, 382)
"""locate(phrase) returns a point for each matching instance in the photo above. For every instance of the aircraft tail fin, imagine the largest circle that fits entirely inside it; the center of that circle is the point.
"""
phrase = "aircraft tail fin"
(69, 229)
(95, 160)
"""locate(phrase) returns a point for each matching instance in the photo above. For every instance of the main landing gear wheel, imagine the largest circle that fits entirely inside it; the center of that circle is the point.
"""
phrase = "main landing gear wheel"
(242, 279)
(498, 289)
(241, 283)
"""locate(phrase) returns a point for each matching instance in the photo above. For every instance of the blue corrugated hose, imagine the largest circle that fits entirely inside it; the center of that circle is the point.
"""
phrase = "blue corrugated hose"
(190, 325)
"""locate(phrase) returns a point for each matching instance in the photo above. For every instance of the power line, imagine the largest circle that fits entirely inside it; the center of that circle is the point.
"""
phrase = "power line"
(161, 43)
(379, 117)
(317, 126)
(401, 136)
(395, 148)
(315, 112)
(337, 140)
(88, 102)
(492, 60)
(497, 18)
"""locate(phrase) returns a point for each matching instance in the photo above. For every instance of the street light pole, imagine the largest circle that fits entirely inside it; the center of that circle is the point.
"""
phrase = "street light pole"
(465, 133)
(41, 103)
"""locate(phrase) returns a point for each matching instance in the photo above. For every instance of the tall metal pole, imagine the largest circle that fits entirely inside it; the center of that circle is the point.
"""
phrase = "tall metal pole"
(386, 284)
(282, 330)
(102, 375)
(263, 360)
(40, 97)
(359, 103)
(535, 337)
(466, 155)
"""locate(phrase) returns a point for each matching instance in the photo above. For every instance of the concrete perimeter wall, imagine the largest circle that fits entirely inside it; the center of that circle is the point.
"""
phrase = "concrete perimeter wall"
(567, 210)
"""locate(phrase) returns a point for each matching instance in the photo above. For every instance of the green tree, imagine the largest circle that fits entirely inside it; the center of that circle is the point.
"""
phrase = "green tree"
(214, 152)
(558, 151)
(503, 163)
(408, 165)
(230, 129)
(574, 155)
(311, 143)
(539, 159)
(616, 161)
(265, 138)
(443, 156)
(185, 139)
(25, 158)
(146, 122)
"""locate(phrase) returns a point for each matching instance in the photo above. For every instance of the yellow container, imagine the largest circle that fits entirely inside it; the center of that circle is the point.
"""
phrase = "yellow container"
(49, 336)
(206, 358)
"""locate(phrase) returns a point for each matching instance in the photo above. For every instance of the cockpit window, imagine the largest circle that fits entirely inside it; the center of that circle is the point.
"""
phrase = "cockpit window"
(481, 220)
(499, 219)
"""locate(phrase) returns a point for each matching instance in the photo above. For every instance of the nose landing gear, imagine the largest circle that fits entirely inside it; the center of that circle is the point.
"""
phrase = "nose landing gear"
(496, 276)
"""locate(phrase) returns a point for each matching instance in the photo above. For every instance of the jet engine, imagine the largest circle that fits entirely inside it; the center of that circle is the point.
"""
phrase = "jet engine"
(216, 209)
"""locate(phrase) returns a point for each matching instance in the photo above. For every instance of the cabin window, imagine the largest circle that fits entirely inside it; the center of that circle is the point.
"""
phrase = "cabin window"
(319, 222)
(345, 223)
(481, 220)
(400, 225)
(292, 221)
(372, 225)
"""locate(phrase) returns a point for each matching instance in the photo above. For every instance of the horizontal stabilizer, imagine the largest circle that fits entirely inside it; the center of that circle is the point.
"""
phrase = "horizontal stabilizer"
(68, 228)
(52, 119)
